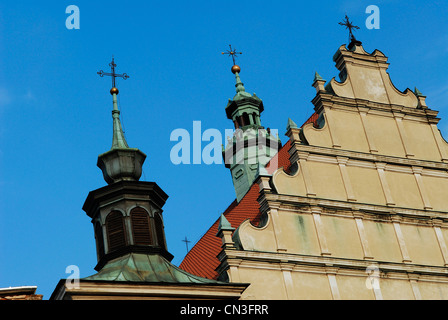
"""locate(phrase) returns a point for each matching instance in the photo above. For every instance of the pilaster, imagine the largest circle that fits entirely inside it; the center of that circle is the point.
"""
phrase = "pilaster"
(316, 212)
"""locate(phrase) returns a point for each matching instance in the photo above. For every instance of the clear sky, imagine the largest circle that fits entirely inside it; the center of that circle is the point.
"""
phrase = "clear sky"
(55, 111)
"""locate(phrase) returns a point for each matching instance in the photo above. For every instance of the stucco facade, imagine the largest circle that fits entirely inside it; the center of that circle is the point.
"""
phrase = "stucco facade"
(363, 211)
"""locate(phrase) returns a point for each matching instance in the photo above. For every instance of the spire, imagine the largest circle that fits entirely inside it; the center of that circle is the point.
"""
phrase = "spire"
(251, 146)
(120, 162)
(128, 221)
(239, 85)
(118, 139)
(245, 109)
(240, 90)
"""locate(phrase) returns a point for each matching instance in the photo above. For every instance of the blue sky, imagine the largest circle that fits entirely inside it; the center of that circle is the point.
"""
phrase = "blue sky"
(55, 111)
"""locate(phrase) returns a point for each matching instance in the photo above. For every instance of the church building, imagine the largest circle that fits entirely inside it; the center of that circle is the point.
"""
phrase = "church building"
(353, 206)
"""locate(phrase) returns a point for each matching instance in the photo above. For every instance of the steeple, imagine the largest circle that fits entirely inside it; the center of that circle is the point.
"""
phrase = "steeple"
(133, 260)
(251, 146)
(118, 139)
(121, 162)
(244, 109)
(129, 230)
(240, 90)
(126, 214)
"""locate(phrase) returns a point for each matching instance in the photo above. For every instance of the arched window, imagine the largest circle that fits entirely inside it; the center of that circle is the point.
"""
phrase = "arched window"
(240, 124)
(99, 240)
(159, 230)
(116, 236)
(254, 118)
(246, 120)
(141, 228)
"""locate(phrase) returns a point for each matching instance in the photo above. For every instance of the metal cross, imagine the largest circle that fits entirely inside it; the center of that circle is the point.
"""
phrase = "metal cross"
(346, 22)
(186, 242)
(232, 53)
(114, 75)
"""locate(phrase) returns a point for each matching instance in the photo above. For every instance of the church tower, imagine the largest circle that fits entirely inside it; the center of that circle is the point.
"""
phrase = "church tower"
(133, 260)
(252, 146)
(126, 214)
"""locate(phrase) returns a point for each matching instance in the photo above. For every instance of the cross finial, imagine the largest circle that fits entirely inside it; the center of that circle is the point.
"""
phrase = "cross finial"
(114, 75)
(346, 22)
(186, 242)
(233, 53)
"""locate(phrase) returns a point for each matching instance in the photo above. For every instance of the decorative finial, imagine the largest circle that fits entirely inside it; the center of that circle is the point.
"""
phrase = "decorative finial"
(114, 75)
(236, 69)
(317, 77)
(233, 53)
(291, 125)
(421, 99)
(318, 83)
(224, 224)
(418, 93)
(346, 22)
(118, 140)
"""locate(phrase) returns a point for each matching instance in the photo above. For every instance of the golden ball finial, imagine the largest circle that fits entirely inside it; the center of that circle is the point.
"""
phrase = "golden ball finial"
(236, 69)
(114, 90)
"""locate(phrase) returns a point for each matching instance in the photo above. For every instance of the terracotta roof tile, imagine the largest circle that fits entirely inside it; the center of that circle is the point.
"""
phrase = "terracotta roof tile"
(282, 157)
(312, 119)
(201, 260)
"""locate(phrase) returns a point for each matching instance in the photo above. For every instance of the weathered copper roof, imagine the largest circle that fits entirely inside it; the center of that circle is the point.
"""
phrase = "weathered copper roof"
(140, 267)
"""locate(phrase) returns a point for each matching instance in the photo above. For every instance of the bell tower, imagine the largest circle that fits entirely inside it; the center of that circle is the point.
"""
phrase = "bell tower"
(133, 260)
(252, 146)
(127, 213)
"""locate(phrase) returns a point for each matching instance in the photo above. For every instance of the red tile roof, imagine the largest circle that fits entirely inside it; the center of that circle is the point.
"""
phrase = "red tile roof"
(201, 260)
(282, 157)
(312, 119)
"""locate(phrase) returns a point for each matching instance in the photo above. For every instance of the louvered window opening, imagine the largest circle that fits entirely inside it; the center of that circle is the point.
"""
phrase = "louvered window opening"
(141, 227)
(159, 230)
(99, 239)
(115, 231)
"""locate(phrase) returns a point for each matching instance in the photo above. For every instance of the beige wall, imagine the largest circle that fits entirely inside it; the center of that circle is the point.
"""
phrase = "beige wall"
(373, 156)
(369, 193)
(307, 243)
